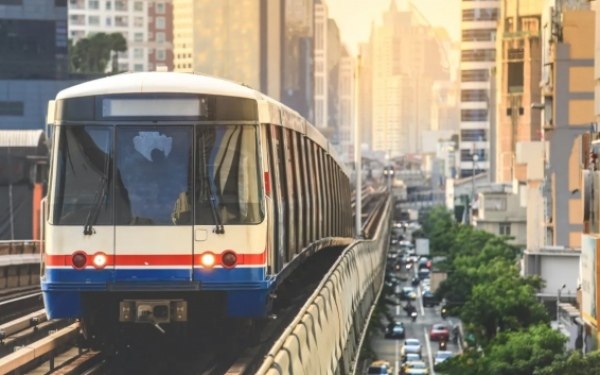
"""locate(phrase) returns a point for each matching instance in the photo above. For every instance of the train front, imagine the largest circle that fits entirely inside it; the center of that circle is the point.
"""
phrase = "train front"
(155, 209)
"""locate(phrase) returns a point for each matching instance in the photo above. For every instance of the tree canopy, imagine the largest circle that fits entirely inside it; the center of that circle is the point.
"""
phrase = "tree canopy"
(92, 54)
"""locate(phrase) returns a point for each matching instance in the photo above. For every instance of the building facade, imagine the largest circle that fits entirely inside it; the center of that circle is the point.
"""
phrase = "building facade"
(146, 25)
(239, 40)
(478, 56)
(321, 72)
(518, 75)
(34, 62)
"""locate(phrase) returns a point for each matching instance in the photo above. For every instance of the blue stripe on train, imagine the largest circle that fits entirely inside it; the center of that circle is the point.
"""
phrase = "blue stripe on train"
(247, 288)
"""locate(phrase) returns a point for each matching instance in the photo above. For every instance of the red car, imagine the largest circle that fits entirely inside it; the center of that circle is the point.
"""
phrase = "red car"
(439, 332)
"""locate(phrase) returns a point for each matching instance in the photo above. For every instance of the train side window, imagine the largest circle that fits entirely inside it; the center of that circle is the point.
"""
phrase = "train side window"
(319, 192)
(279, 188)
(298, 204)
(311, 199)
(290, 199)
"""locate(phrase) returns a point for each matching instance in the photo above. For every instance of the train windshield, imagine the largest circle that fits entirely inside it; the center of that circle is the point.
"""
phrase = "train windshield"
(161, 175)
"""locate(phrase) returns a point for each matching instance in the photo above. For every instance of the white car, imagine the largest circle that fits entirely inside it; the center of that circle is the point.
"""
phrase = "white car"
(441, 356)
(411, 346)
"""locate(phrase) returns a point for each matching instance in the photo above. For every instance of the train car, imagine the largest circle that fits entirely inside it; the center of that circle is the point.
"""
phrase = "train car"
(173, 194)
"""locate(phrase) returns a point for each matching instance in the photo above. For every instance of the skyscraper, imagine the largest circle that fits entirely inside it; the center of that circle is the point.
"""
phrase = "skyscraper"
(478, 56)
(240, 40)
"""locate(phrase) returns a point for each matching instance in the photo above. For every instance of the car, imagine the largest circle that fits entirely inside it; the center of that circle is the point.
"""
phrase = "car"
(395, 330)
(441, 356)
(411, 357)
(408, 293)
(415, 281)
(379, 368)
(424, 263)
(428, 298)
(424, 273)
(415, 367)
(439, 332)
(411, 346)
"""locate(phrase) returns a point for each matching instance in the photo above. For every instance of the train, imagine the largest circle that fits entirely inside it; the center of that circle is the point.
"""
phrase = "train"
(173, 194)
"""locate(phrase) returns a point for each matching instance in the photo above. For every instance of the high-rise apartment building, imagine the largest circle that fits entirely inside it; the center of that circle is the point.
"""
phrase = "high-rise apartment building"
(147, 25)
(478, 56)
(321, 78)
(345, 105)
(240, 40)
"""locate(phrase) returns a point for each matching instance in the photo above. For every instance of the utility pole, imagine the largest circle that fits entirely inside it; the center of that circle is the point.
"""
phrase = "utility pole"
(357, 153)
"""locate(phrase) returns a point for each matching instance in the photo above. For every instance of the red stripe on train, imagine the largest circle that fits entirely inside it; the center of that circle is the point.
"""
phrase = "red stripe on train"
(155, 260)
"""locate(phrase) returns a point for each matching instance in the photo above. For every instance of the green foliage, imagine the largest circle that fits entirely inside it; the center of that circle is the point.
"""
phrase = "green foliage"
(572, 363)
(521, 352)
(511, 353)
(92, 54)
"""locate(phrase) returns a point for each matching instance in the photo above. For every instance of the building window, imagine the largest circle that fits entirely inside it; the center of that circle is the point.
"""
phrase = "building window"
(160, 37)
(474, 75)
(93, 20)
(138, 37)
(121, 5)
(138, 67)
(478, 55)
(473, 96)
(160, 55)
(473, 115)
(108, 21)
(11, 109)
(109, 5)
(138, 53)
(138, 6)
(505, 229)
(160, 22)
(121, 21)
(138, 21)
(93, 4)
(160, 8)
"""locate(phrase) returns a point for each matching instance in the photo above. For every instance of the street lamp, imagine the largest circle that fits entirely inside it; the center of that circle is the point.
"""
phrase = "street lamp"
(558, 305)
(475, 159)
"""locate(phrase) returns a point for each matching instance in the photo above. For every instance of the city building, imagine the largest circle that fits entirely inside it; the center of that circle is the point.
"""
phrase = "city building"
(552, 168)
(406, 57)
(499, 211)
(478, 56)
(345, 106)
(34, 62)
(147, 25)
(518, 75)
(240, 40)
(298, 44)
(321, 71)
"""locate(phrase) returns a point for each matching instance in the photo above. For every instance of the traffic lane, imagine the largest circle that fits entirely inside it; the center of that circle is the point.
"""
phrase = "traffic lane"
(390, 349)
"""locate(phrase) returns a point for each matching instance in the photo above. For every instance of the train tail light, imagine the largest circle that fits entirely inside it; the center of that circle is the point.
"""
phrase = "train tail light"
(229, 259)
(79, 259)
(99, 260)
(207, 260)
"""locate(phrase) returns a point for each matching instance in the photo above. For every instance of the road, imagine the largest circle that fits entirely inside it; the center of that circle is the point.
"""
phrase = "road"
(390, 349)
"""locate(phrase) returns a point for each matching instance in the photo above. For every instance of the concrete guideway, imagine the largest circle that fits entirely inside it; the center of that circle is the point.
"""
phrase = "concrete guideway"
(326, 335)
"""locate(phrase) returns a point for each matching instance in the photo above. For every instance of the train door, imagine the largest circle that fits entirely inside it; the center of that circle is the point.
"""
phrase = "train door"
(153, 235)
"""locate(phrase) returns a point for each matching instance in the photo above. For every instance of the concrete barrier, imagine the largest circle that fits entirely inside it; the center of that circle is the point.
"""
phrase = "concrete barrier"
(325, 337)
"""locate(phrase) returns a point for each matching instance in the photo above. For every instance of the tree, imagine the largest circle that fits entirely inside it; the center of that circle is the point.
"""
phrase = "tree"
(507, 303)
(511, 353)
(572, 363)
(92, 54)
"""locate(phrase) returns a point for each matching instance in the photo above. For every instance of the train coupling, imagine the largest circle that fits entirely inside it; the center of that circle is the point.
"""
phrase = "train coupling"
(153, 311)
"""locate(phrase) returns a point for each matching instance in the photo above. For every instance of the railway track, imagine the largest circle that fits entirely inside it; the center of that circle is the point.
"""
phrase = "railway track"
(219, 346)
(19, 302)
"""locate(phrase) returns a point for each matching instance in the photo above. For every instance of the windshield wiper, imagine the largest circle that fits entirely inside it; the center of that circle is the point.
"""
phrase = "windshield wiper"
(219, 229)
(92, 216)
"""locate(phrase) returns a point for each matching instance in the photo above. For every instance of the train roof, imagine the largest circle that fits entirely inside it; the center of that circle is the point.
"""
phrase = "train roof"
(155, 82)
(193, 83)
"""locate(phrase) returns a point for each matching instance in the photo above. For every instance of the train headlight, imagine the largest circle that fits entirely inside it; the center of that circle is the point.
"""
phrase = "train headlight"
(207, 260)
(79, 259)
(99, 260)
(229, 259)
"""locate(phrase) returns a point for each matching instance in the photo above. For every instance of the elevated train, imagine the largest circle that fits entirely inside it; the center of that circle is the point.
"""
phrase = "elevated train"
(172, 194)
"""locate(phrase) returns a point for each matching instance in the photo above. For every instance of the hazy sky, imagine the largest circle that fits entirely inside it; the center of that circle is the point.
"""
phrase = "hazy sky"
(354, 16)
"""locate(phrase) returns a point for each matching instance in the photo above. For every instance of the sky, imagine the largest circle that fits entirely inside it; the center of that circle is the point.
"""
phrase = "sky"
(354, 17)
